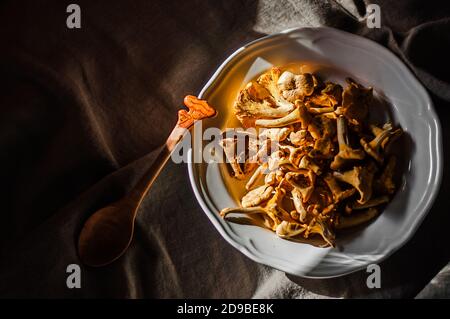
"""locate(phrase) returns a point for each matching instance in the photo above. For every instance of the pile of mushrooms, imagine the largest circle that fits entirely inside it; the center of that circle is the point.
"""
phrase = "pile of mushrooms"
(316, 165)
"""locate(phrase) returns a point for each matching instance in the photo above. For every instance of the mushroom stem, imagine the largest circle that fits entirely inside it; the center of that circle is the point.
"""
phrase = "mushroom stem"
(385, 184)
(268, 222)
(373, 147)
(338, 193)
(298, 204)
(258, 172)
(371, 203)
(320, 110)
(243, 210)
(393, 134)
(275, 134)
(346, 153)
(342, 133)
(229, 147)
(299, 114)
(356, 219)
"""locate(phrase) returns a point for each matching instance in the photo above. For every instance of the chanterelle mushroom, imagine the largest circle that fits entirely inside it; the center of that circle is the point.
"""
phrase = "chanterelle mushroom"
(268, 222)
(229, 146)
(323, 148)
(269, 80)
(355, 102)
(346, 153)
(257, 196)
(322, 129)
(307, 163)
(319, 110)
(356, 219)
(289, 230)
(256, 174)
(393, 134)
(303, 181)
(275, 134)
(299, 114)
(255, 102)
(275, 209)
(330, 96)
(295, 87)
(373, 147)
(360, 178)
(298, 204)
(320, 228)
(385, 183)
(338, 193)
(297, 138)
(270, 178)
(272, 212)
(295, 153)
(321, 125)
(243, 161)
(276, 159)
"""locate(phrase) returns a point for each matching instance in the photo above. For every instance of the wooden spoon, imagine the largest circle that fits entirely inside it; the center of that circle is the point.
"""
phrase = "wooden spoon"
(107, 234)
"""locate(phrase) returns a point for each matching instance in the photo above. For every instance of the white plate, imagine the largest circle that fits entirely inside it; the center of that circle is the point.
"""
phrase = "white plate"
(330, 51)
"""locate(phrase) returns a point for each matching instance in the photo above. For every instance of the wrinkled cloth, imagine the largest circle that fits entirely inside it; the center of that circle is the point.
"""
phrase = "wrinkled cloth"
(439, 287)
(84, 112)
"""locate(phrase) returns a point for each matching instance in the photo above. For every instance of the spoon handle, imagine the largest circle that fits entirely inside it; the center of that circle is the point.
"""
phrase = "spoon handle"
(108, 232)
(198, 110)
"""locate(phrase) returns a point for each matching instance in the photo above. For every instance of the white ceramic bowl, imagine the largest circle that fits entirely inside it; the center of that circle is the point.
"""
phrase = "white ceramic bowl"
(335, 54)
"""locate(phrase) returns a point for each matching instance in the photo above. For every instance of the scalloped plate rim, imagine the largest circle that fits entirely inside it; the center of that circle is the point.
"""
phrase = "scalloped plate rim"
(272, 261)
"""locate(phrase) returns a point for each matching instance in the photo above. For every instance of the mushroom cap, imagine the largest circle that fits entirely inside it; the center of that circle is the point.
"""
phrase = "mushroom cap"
(329, 96)
(361, 179)
(355, 102)
(255, 102)
(295, 87)
(256, 196)
(288, 230)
